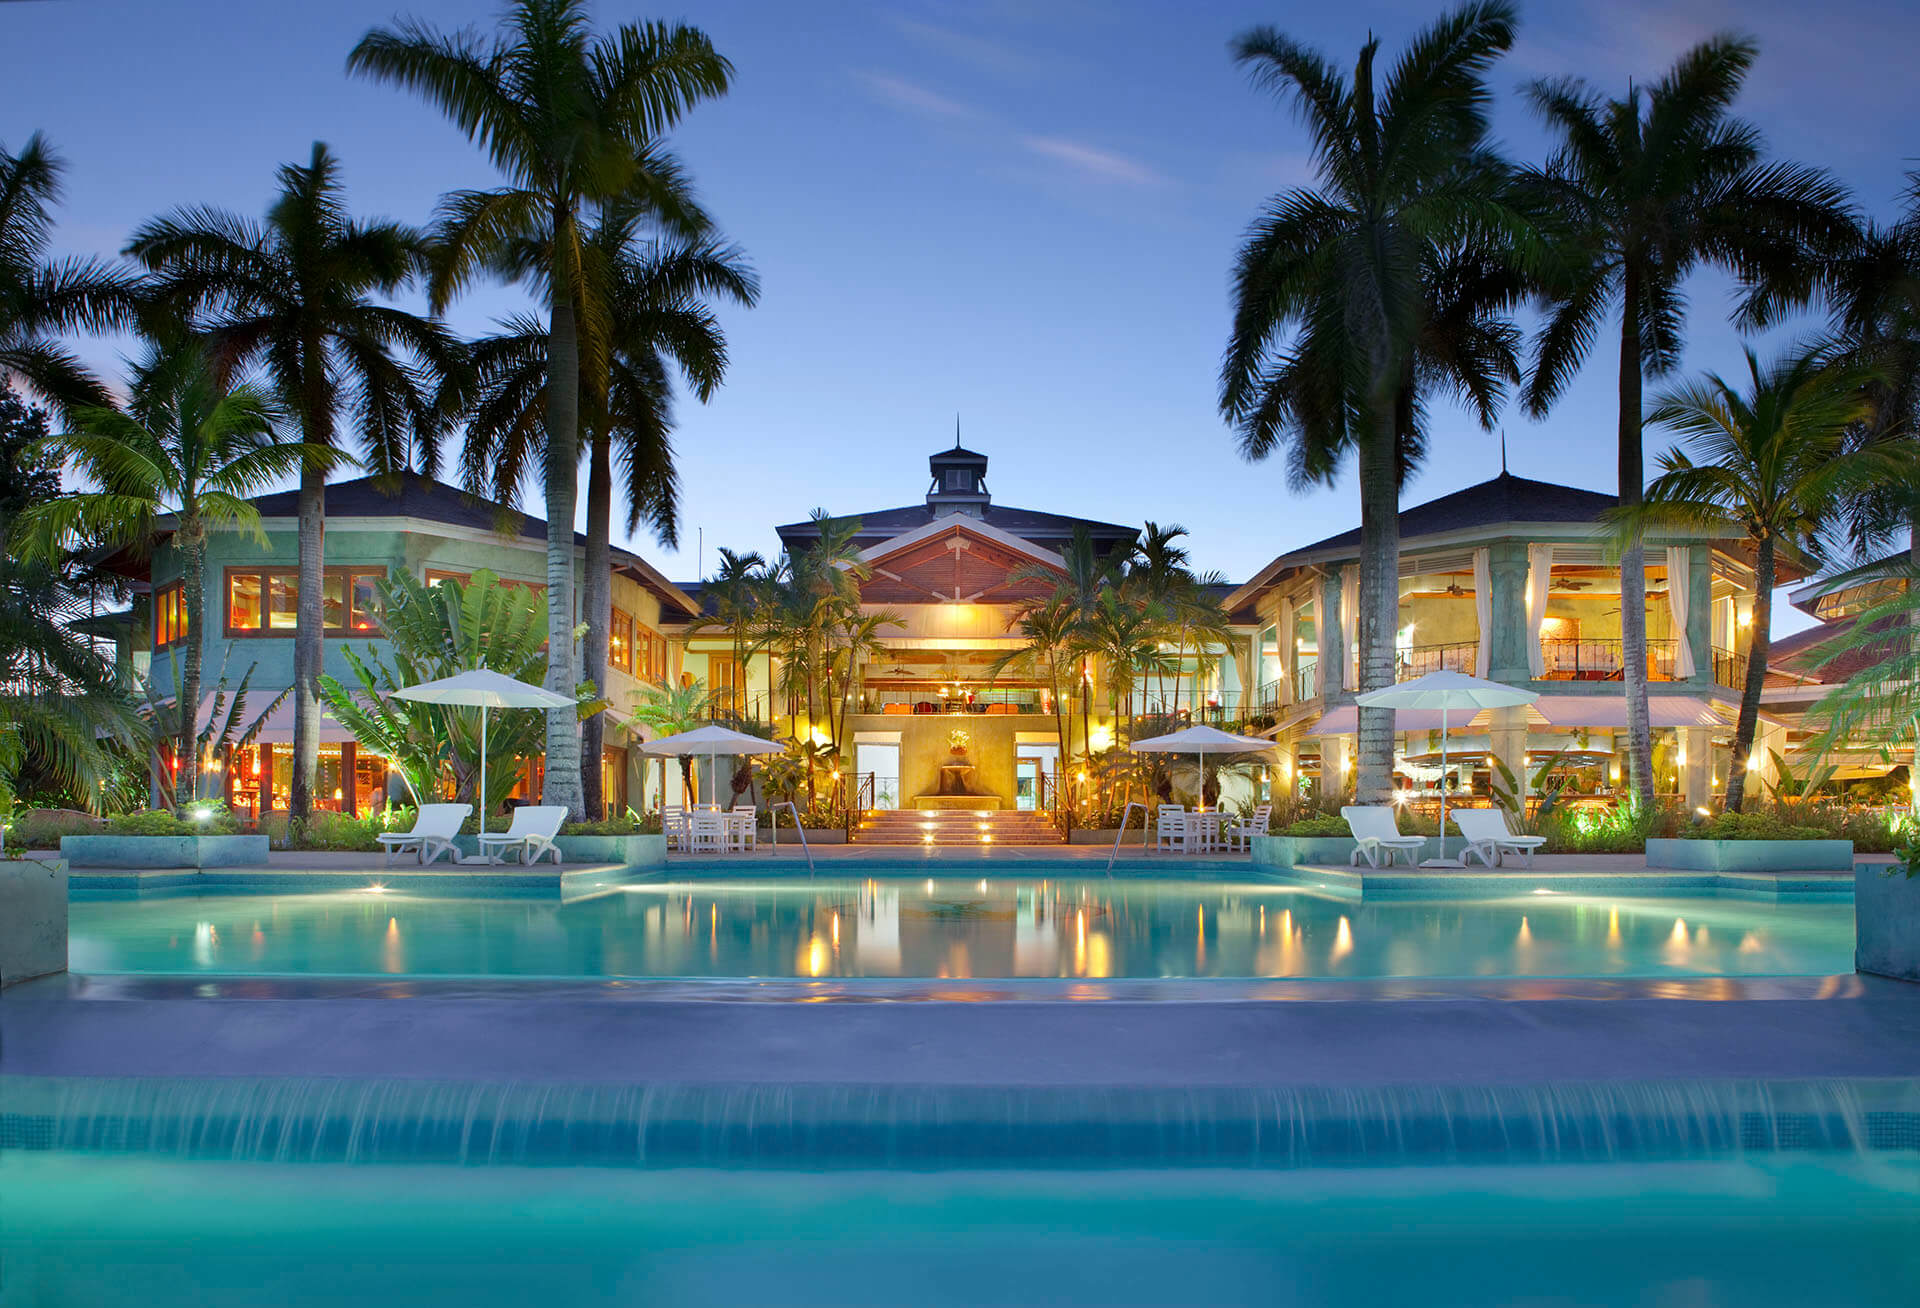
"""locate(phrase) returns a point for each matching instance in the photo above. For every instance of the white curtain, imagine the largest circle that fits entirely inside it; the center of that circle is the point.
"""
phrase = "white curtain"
(1679, 593)
(1283, 638)
(1539, 575)
(1350, 623)
(1321, 631)
(1483, 610)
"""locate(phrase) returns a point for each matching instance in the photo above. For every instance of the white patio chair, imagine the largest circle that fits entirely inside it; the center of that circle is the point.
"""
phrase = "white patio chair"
(531, 837)
(433, 831)
(673, 825)
(707, 833)
(743, 828)
(1171, 827)
(1485, 831)
(1240, 835)
(1372, 826)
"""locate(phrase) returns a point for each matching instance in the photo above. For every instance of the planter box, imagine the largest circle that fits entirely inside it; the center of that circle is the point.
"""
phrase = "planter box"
(627, 851)
(1886, 915)
(164, 851)
(1751, 855)
(33, 918)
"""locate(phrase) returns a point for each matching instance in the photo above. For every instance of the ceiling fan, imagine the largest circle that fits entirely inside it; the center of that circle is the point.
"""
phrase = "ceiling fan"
(1568, 583)
(1455, 590)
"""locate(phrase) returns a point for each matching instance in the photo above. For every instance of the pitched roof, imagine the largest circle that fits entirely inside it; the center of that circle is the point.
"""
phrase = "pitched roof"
(1502, 499)
(1028, 524)
(414, 496)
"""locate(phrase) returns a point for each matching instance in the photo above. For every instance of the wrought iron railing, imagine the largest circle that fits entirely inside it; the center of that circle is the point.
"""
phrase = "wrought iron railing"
(1729, 668)
(1021, 701)
(1052, 798)
(1419, 660)
(857, 790)
(1602, 660)
(1306, 680)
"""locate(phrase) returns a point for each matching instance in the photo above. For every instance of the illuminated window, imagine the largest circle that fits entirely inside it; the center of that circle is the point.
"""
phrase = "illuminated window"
(437, 575)
(266, 601)
(169, 615)
(620, 641)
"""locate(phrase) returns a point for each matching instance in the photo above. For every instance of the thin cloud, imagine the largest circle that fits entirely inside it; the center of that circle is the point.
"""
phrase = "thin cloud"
(898, 91)
(979, 51)
(1093, 162)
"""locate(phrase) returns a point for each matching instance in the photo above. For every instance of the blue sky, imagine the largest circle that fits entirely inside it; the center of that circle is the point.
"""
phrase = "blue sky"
(1020, 212)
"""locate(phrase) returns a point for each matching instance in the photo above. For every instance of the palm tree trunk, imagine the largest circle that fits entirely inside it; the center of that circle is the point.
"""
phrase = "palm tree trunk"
(193, 559)
(562, 783)
(596, 594)
(1633, 567)
(1379, 601)
(1749, 720)
(309, 643)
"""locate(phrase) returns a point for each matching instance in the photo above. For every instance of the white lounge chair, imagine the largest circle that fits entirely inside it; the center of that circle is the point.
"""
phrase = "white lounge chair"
(433, 831)
(1171, 827)
(1485, 831)
(531, 836)
(1372, 826)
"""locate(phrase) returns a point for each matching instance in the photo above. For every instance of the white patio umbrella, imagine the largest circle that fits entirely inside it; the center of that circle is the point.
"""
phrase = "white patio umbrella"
(485, 691)
(712, 742)
(1446, 691)
(1200, 742)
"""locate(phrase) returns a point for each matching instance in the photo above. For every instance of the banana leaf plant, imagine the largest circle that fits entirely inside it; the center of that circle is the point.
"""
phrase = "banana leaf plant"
(218, 737)
(436, 631)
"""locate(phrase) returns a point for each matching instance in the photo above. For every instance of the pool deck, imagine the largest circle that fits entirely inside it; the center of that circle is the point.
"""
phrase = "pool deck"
(1555, 873)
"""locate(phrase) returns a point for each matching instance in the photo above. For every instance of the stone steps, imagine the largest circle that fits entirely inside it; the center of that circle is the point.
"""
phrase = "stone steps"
(949, 827)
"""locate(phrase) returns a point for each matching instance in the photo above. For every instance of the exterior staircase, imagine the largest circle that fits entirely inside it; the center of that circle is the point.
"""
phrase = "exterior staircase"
(904, 826)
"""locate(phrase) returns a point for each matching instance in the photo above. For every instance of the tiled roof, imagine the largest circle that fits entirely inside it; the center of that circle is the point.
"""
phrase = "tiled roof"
(1028, 524)
(1505, 498)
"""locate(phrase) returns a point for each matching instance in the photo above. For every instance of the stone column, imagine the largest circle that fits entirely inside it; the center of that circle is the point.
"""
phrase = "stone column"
(1508, 733)
(1507, 564)
(1700, 612)
(1696, 774)
(1333, 650)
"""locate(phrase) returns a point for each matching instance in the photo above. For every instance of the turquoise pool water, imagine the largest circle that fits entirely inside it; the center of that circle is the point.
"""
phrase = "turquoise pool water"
(1766, 1233)
(1000, 927)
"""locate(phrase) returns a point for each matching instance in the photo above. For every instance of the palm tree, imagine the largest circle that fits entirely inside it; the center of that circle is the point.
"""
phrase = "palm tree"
(573, 120)
(1873, 290)
(649, 298)
(1125, 637)
(736, 595)
(1086, 574)
(1773, 460)
(1157, 573)
(297, 295)
(1048, 629)
(1649, 187)
(67, 717)
(1354, 301)
(671, 710)
(190, 447)
(39, 300)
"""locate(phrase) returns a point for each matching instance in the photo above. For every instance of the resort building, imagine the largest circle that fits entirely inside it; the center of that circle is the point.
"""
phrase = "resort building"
(1510, 579)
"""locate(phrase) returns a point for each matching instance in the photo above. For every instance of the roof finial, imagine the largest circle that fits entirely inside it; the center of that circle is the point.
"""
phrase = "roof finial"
(1503, 451)
(956, 429)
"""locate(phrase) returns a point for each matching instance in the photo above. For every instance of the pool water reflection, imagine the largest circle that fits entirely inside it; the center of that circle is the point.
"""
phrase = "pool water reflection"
(998, 928)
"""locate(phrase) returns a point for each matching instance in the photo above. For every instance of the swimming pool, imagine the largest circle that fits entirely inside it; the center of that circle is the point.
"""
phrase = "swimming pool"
(1002, 927)
(310, 1192)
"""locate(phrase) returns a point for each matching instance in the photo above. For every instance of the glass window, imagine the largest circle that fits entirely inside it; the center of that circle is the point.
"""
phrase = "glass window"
(366, 601)
(620, 642)
(333, 601)
(283, 600)
(169, 615)
(437, 575)
(244, 612)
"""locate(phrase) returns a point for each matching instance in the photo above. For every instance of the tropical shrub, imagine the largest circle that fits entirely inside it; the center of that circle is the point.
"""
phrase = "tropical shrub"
(1751, 826)
(1321, 824)
(41, 828)
(630, 824)
(325, 830)
(218, 820)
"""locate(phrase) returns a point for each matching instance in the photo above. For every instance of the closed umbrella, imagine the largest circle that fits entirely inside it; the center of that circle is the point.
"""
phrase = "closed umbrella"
(711, 741)
(1446, 691)
(485, 691)
(1200, 742)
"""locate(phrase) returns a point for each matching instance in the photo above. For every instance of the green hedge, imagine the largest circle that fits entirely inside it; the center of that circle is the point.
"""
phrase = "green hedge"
(41, 828)
(1752, 826)
(218, 820)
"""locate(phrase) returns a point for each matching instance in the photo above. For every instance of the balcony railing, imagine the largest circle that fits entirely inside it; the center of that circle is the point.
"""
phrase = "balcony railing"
(910, 702)
(1306, 680)
(1602, 660)
(1729, 669)
(1418, 661)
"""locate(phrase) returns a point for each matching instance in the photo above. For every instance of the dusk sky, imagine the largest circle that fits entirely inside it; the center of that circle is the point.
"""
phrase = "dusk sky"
(1020, 212)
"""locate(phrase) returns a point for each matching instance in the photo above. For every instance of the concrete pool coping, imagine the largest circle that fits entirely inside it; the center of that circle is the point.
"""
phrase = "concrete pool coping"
(1872, 1032)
